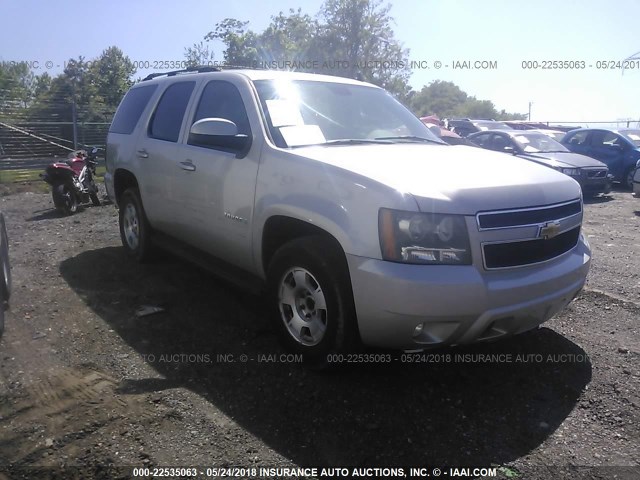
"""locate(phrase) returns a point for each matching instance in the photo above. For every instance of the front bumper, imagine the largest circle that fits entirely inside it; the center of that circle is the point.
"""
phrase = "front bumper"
(595, 186)
(460, 304)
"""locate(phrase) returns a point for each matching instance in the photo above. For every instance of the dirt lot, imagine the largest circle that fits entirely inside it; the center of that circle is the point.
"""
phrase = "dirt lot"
(85, 382)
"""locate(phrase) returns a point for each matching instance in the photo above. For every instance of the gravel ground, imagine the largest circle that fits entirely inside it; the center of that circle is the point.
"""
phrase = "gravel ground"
(86, 383)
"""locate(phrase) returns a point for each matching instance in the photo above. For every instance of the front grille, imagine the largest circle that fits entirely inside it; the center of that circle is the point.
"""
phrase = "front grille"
(527, 252)
(531, 216)
(601, 173)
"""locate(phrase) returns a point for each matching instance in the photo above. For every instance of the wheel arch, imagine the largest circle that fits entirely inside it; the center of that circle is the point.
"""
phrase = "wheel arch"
(123, 180)
(281, 229)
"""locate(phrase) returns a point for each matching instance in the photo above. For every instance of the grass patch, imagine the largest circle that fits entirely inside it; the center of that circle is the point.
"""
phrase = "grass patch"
(31, 175)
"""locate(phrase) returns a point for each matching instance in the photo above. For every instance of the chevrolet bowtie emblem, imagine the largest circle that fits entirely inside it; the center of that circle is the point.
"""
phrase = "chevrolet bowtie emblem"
(549, 230)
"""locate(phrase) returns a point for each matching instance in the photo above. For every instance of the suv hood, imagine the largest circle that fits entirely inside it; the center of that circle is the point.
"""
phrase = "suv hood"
(564, 159)
(460, 179)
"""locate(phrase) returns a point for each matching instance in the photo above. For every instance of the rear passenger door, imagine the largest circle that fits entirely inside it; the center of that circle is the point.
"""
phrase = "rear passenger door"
(217, 191)
(157, 151)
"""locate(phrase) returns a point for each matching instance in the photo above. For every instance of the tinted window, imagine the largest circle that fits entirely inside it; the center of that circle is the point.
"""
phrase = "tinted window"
(482, 140)
(579, 138)
(167, 119)
(222, 99)
(131, 108)
(500, 142)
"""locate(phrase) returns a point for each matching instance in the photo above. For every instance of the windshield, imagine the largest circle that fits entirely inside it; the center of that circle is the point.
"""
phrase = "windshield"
(492, 125)
(538, 143)
(633, 136)
(307, 112)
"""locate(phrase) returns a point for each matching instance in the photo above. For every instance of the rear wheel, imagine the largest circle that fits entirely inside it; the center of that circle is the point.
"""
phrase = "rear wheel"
(64, 198)
(135, 232)
(310, 293)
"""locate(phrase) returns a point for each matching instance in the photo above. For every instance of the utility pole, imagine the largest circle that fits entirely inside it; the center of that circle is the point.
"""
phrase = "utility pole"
(529, 115)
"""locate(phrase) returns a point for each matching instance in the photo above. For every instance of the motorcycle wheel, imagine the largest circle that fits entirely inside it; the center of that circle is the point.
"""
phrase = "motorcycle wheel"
(64, 198)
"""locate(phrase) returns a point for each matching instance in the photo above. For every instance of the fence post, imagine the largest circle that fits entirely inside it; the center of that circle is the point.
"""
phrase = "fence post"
(74, 118)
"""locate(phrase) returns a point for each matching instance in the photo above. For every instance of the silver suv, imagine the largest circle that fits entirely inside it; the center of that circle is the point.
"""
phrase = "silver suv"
(363, 226)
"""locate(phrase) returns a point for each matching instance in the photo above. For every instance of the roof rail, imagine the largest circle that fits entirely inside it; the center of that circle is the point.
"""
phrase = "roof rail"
(196, 69)
(202, 69)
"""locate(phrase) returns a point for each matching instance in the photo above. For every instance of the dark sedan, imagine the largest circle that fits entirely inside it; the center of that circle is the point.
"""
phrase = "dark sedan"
(592, 175)
(618, 149)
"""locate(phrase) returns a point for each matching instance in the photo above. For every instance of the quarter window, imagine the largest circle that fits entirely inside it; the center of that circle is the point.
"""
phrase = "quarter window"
(131, 109)
(167, 119)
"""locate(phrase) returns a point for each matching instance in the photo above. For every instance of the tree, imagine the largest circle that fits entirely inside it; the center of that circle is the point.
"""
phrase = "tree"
(447, 100)
(16, 88)
(359, 34)
(111, 75)
(241, 45)
(349, 38)
(198, 54)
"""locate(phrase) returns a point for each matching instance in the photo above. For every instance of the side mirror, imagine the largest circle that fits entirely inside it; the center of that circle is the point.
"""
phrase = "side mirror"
(219, 133)
(509, 149)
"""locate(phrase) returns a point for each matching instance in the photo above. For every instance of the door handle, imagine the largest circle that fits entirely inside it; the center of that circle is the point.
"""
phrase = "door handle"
(188, 166)
(142, 153)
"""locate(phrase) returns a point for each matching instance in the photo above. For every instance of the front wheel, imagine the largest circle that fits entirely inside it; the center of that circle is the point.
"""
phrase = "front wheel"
(135, 232)
(310, 293)
(64, 198)
(628, 178)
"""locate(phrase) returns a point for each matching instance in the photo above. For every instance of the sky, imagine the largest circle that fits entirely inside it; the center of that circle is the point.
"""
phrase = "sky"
(511, 35)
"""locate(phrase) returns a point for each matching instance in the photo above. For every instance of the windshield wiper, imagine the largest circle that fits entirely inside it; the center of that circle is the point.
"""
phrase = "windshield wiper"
(355, 141)
(412, 138)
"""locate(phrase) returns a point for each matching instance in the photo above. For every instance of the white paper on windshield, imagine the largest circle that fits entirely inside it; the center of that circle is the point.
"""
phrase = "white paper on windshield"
(633, 136)
(522, 139)
(302, 135)
(284, 113)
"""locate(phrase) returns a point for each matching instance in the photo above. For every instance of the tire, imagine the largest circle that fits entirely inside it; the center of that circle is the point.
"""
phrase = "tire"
(94, 199)
(65, 199)
(627, 180)
(5, 265)
(310, 294)
(135, 231)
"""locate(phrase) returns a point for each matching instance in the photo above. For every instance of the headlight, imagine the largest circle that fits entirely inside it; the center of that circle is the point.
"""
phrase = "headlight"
(423, 238)
(572, 172)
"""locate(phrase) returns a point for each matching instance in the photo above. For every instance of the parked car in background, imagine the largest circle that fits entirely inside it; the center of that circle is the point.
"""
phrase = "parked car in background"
(636, 181)
(5, 272)
(434, 124)
(618, 149)
(557, 135)
(592, 175)
(467, 126)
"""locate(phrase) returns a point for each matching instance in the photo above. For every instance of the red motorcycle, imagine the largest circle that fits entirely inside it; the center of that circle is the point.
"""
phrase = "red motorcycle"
(72, 182)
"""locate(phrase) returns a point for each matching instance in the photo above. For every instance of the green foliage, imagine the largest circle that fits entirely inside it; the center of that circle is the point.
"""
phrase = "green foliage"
(198, 54)
(447, 100)
(348, 38)
(111, 75)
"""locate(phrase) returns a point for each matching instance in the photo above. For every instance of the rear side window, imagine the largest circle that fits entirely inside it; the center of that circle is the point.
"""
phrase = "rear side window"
(167, 119)
(131, 108)
(579, 138)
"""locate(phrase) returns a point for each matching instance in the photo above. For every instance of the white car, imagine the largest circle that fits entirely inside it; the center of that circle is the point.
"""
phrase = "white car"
(361, 224)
